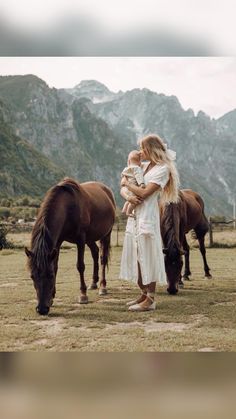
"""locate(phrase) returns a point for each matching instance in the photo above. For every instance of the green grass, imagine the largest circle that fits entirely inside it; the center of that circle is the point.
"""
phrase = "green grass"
(201, 317)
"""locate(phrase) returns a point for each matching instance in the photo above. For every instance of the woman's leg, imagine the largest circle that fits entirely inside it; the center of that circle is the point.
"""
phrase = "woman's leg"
(140, 282)
(151, 288)
(146, 300)
(143, 289)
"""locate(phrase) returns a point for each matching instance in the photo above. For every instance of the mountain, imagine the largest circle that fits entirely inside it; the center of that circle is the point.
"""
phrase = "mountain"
(64, 130)
(93, 90)
(226, 124)
(204, 159)
(88, 131)
(24, 171)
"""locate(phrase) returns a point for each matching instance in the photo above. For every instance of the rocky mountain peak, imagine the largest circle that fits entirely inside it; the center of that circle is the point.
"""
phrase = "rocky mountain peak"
(92, 89)
(92, 85)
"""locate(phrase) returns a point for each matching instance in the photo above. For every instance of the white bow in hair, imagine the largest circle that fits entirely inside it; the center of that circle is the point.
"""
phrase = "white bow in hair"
(171, 154)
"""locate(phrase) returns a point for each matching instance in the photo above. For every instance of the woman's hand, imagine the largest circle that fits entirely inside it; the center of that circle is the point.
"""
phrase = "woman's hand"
(135, 200)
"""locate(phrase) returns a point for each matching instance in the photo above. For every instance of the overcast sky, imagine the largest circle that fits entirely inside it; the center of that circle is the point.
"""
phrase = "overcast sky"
(207, 83)
(212, 20)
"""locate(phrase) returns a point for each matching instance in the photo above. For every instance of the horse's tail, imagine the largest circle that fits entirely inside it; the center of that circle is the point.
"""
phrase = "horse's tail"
(106, 250)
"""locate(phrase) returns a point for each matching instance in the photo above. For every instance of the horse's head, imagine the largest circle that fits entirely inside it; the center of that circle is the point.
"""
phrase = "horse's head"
(173, 266)
(44, 279)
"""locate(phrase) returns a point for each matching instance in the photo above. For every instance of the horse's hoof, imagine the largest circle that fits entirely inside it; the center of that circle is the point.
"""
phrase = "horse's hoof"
(93, 286)
(181, 285)
(83, 299)
(208, 276)
(102, 291)
(186, 278)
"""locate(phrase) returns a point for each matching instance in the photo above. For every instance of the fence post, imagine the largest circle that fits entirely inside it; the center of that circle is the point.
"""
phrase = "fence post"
(210, 232)
(234, 214)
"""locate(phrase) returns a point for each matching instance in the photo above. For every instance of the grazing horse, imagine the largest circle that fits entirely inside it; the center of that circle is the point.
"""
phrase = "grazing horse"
(177, 220)
(78, 213)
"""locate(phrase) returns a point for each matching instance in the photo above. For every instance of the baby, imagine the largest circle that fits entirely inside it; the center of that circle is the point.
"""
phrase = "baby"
(134, 175)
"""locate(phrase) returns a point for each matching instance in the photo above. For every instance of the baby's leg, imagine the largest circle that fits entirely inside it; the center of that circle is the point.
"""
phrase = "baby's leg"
(125, 207)
(130, 208)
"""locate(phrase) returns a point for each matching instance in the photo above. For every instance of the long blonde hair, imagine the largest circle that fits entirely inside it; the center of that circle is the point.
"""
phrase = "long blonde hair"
(155, 149)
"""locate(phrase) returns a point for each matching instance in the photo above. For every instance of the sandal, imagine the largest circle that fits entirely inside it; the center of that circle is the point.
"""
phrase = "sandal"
(147, 305)
(138, 300)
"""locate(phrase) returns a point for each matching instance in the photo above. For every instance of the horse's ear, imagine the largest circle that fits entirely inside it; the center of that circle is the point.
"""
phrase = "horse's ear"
(28, 253)
(53, 254)
(165, 250)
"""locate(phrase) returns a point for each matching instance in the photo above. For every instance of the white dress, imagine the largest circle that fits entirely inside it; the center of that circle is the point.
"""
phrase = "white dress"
(143, 242)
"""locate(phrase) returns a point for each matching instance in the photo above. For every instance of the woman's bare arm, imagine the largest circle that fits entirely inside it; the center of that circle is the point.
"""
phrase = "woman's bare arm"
(143, 192)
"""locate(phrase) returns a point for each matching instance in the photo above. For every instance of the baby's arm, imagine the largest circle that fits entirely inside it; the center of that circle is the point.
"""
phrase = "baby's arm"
(123, 191)
(138, 174)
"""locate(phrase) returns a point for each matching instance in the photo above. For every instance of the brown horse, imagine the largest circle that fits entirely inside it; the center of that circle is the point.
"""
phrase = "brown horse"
(177, 220)
(78, 213)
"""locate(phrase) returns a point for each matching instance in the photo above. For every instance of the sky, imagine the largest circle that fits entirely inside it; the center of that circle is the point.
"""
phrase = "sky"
(204, 83)
(212, 20)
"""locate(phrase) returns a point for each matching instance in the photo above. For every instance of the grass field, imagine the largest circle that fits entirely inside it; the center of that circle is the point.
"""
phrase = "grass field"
(201, 318)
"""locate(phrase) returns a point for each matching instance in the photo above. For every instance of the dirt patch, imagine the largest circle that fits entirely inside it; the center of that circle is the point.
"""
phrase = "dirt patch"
(50, 327)
(206, 350)
(164, 327)
(41, 342)
(226, 303)
(150, 327)
(196, 319)
(9, 285)
(108, 300)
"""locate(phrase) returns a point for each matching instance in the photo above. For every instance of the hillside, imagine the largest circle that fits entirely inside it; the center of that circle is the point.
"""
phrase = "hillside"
(88, 131)
(24, 171)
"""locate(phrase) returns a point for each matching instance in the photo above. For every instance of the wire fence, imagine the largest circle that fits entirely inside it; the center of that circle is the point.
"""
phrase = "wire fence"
(217, 228)
(221, 225)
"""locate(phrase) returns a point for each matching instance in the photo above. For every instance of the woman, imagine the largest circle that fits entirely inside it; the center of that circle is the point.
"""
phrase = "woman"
(142, 258)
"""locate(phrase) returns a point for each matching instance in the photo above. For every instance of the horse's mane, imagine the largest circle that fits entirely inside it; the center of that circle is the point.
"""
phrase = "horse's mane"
(168, 225)
(41, 240)
(170, 218)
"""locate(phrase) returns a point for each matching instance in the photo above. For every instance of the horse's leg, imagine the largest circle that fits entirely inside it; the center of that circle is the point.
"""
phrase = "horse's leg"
(55, 273)
(81, 268)
(186, 260)
(201, 241)
(105, 250)
(95, 254)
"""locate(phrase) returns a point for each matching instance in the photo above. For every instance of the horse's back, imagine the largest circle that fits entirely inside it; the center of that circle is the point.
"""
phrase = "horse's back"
(194, 209)
(95, 188)
(102, 208)
(100, 195)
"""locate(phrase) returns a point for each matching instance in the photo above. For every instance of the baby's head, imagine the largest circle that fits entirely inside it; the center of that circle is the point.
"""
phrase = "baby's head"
(134, 158)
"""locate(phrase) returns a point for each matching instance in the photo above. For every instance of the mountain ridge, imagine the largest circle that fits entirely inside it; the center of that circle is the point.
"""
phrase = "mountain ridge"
(89, 137)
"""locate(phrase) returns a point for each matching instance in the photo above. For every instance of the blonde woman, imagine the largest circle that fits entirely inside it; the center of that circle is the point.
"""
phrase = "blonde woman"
(142, 258)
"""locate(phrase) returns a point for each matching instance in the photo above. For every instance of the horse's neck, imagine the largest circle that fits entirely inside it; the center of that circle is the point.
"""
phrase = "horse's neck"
(56, 222)
(51, 222)
(170, 224)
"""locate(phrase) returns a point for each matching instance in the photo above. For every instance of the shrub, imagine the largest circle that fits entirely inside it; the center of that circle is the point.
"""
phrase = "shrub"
(4, 212)
(5, 202)
(22, 202)
(4, 243)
